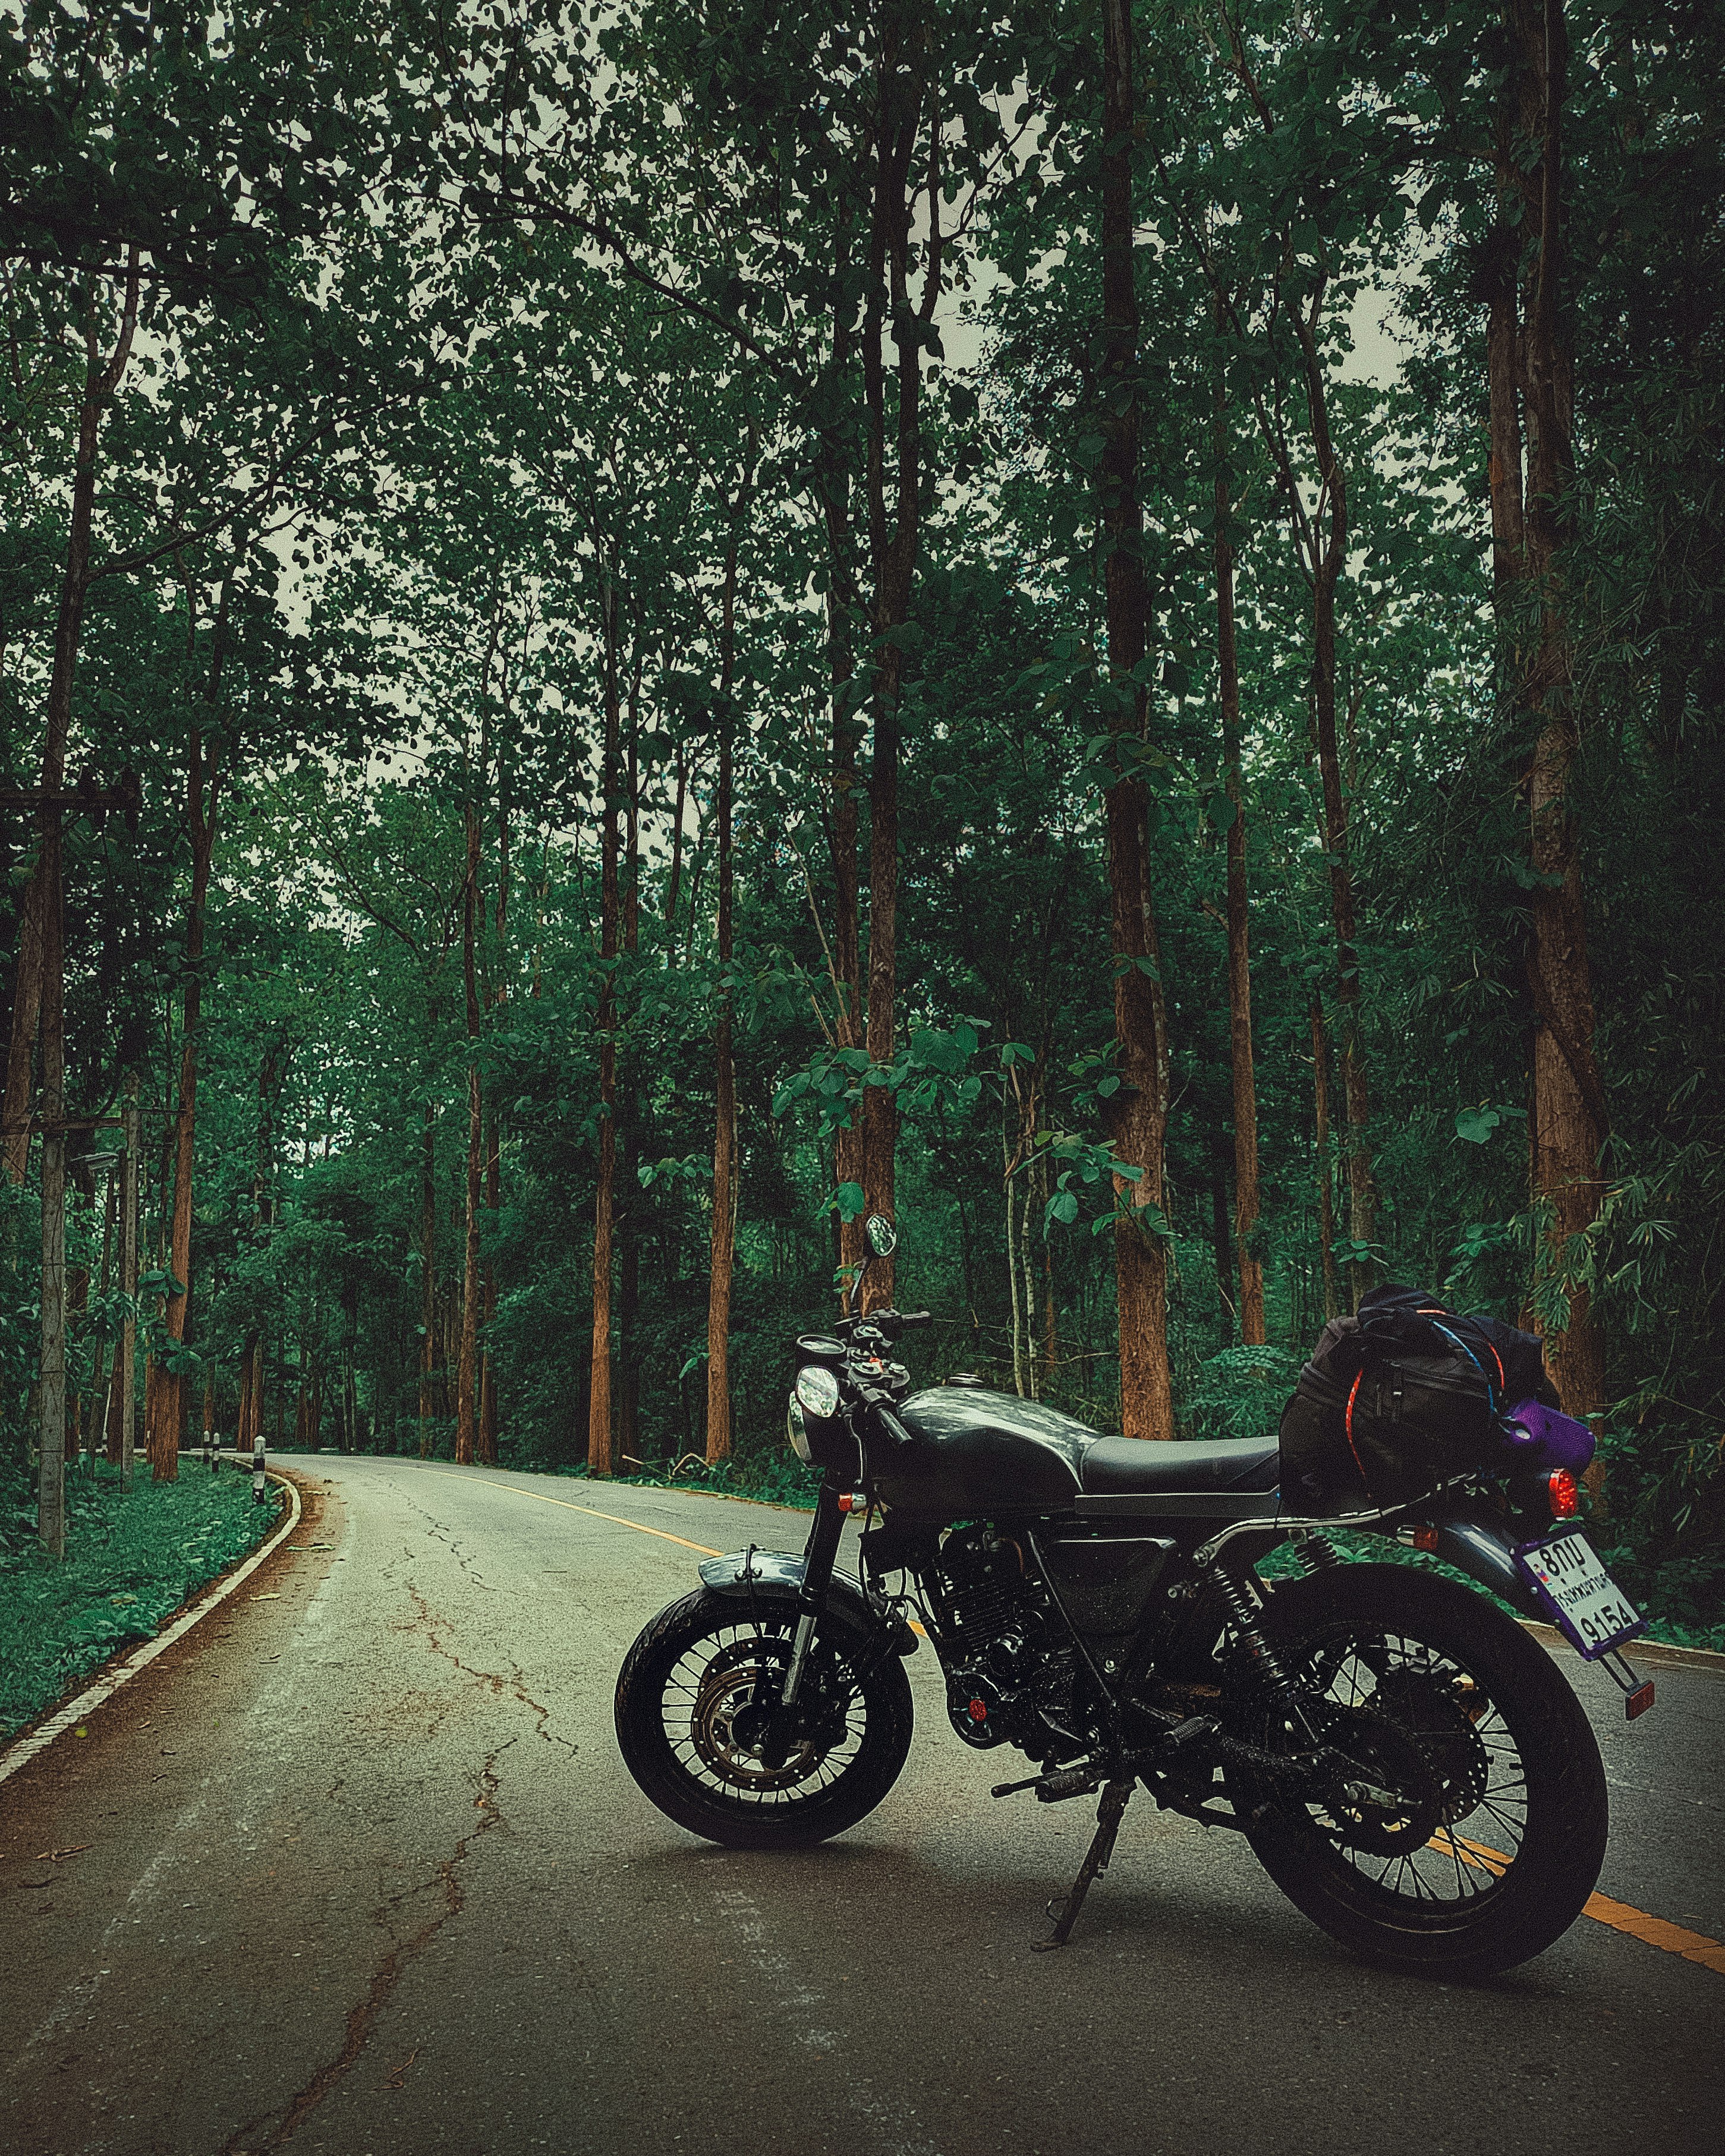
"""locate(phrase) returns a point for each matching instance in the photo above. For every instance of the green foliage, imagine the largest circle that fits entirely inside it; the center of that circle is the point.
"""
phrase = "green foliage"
(134, 1556)
(431, 452)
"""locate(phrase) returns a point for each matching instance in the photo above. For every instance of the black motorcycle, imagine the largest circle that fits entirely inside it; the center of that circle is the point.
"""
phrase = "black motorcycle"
(1406, 1762)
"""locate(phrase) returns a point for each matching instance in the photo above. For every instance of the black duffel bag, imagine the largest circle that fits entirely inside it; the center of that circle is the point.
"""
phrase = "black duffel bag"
(1404, 1396)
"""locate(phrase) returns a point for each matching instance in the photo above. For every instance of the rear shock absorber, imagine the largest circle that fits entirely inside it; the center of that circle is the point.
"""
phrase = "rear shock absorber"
(1243, 1614)
(1314, 1552)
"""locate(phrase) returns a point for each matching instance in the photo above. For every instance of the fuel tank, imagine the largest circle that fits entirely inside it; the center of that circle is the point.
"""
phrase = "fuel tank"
(978, 1452)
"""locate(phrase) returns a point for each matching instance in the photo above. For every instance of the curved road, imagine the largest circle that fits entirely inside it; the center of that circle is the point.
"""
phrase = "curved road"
(355, 1868)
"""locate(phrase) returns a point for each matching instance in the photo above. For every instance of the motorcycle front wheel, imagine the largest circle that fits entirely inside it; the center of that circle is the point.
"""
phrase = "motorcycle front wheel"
(696, 1721)
(1460, 1825)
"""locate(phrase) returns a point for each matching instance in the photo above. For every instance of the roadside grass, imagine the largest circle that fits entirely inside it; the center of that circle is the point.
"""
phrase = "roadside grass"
(776, 1480)
(133, 1557)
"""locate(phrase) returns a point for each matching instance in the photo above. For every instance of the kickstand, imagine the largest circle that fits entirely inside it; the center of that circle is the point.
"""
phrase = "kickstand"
(1115, 1798)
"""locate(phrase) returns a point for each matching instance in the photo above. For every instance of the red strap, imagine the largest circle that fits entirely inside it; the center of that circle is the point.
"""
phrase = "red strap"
(1352, 1397)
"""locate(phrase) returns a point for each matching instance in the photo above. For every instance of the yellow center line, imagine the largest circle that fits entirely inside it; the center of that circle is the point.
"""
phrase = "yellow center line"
(1618, 1915)
(617, 1519)
(592, 1512)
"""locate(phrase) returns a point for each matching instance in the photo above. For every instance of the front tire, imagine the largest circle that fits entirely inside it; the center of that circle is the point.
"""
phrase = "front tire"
(1468, 1829)
(691, 1699)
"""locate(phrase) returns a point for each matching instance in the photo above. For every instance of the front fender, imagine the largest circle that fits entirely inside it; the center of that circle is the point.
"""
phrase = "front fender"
(777, 1576)
(1482, 1545)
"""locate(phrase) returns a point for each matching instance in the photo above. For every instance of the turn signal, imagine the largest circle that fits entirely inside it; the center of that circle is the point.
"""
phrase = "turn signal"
(1563, 1495)
(1425, 1538)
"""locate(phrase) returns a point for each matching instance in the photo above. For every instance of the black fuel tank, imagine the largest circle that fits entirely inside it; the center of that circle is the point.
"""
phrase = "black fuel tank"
(979, 1452)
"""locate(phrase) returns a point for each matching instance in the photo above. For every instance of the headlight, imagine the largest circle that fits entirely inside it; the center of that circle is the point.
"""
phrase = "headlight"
(817, 1391)
(798, 1434)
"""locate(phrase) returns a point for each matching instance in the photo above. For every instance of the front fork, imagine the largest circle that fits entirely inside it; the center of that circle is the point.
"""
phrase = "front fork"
(819, 1557)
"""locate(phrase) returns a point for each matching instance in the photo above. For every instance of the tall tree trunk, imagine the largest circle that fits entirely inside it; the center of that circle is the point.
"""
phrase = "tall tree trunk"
(467, 1377)
(892, 489)
(1570, 1117)
(841, 600)
(488, 1307)
(202, 810)
(124, 1410)
(494, 1150)
(1138, 1119)
(598, 1422)
(427, 1276)
(51, 1383)
(101, 378)
(1329, 556)
(724, 1225)
(1320, 1147)
(1240, 970)
(628, 1220)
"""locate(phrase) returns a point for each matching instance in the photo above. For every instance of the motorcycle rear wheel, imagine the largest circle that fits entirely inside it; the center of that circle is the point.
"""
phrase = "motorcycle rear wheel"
(689, 1722)
(1487, 1840)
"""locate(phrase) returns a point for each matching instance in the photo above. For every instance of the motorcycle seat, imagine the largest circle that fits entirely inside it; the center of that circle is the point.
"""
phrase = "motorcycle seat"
(1134, 1466)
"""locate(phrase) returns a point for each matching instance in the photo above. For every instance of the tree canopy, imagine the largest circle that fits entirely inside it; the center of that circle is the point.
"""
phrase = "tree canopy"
(625, 634)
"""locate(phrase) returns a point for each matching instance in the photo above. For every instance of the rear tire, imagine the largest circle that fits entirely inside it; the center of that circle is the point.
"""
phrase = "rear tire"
(1429, 1689)
(687, 1707)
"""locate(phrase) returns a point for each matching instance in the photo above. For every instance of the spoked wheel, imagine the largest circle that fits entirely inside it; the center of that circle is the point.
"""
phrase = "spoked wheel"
(1459, 1822)
(700, 1728)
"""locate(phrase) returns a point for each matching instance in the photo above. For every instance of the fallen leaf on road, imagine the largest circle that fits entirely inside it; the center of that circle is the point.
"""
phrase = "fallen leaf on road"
(35, 1882)
(396, 2072)
(59, 1855)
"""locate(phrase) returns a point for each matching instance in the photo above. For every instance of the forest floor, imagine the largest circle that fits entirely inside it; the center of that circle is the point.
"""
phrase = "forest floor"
(134, 1556)
(354, 1866)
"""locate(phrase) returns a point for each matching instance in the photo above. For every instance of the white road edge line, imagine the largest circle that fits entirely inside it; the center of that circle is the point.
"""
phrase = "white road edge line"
(21, 1753)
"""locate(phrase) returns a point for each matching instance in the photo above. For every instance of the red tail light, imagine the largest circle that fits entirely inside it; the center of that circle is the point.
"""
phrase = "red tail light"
(1563, 1494)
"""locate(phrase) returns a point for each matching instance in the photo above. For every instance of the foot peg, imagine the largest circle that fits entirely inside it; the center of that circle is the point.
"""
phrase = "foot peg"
(1115, 1798)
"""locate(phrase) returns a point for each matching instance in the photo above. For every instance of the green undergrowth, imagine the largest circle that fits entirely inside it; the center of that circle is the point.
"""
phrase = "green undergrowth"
(781, 1479)
(132, 1557)
(1676, 1597)
(1682, 1598)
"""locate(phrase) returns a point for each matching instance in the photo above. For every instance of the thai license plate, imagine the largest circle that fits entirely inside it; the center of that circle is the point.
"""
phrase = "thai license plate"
(1586, 1604)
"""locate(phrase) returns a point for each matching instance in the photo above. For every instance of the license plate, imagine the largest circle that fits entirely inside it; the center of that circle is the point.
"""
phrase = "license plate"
(1585, 1603)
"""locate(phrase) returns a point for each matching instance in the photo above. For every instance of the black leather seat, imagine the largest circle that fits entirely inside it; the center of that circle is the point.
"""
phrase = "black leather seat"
(1130, 1467)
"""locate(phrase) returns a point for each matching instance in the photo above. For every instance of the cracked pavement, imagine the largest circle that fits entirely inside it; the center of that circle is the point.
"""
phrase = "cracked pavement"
(358, 1870)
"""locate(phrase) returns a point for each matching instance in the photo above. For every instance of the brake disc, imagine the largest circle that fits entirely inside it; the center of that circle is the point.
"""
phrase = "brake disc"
(728, 1723)
(1439, 1718)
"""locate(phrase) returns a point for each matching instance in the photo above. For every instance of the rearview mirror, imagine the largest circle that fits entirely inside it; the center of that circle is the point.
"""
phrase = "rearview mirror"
(883, 1237)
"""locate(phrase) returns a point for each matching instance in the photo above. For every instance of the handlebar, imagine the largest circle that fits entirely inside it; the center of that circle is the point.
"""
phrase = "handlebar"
(888, 1324)
(889, 1425)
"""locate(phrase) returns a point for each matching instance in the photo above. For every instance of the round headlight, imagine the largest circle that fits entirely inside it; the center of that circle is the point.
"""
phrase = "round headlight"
(817, 1391)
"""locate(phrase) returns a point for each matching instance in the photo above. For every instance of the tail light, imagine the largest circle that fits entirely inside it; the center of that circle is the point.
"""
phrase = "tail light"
(1563, 1493)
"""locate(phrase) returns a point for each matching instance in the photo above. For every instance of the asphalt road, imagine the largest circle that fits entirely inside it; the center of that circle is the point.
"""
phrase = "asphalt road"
(359, 1869)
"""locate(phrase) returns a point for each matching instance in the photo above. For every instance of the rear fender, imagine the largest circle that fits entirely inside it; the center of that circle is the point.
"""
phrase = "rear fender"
(775, 1576)
(1482, 1545)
